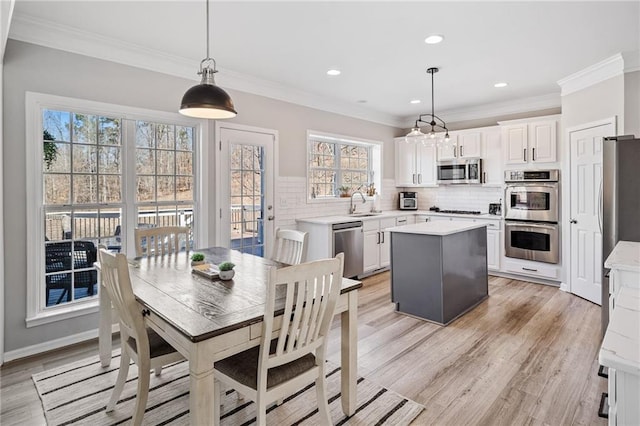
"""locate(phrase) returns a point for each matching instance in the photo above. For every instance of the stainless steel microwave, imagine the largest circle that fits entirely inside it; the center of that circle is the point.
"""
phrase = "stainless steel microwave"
(460, 171)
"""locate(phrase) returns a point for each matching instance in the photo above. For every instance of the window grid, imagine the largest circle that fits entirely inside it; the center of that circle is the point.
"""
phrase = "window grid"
(337, 165)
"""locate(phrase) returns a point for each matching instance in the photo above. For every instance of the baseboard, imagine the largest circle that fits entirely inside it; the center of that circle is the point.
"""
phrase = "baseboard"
(564, 287)
(525, 278)
(54, 344)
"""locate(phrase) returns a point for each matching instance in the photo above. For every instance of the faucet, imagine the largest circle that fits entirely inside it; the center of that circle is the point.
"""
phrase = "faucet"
(352, 207)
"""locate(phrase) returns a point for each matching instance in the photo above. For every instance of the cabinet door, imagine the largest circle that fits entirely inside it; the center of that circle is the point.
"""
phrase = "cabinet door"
(449, 150)
(426, 164)
(469, 145)
(385, 241)
(371, 253)
(405, 163)
(542, 141)
(492, 157)
(514, 140)
(493, 250)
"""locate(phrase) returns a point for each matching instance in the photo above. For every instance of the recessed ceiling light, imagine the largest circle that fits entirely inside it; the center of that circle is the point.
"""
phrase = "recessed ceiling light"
(333, 72)
(434, 39)
(414, 101)
(501, 84)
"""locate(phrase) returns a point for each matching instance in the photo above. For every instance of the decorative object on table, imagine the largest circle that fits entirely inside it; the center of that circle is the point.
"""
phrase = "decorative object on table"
(206, 270)
(429, 139)
(226, 270)
(345, 191)
(197, 259)
(206, 100)
(82, 405)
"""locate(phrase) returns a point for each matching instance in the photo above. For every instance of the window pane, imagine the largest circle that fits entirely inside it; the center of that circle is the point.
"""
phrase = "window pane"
(147, 216)
(85, 129)
(144, 135)
(165, 136)
(84, 159)
(145, 188)
(166, 188)
(184, 188)
(57, 189)
(109, 159)
(184, 163)
(56, 125)
(57, 226)
(166, 162)
(84, 224)
(145, 161)
(57, 157)
(85, 189)
(184, 137)
(110, 188)
(109, 131)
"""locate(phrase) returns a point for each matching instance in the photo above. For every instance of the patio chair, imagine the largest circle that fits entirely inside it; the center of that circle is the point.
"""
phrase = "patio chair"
(290, 247)
(58, 259)
(280, 367)
(140, 343)
(161, 240)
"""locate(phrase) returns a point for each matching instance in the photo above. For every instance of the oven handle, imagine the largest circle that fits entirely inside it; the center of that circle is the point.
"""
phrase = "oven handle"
(530, 225)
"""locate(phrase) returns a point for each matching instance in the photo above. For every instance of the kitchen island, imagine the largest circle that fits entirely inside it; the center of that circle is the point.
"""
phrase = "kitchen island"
(438, 269)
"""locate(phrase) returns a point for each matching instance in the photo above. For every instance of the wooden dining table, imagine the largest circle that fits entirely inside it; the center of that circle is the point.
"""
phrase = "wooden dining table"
(207, 320)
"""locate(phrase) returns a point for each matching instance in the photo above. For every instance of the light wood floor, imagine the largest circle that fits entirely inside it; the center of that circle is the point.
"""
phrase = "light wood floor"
(527, 355)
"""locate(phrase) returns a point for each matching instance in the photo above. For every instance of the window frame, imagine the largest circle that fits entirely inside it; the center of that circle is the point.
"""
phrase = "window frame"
(375, 161)
(35, 103)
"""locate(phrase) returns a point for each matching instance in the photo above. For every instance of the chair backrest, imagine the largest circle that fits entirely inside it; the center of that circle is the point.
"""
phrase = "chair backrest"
(114, 274)
(161, 240)
(290, 246)
(310, 293)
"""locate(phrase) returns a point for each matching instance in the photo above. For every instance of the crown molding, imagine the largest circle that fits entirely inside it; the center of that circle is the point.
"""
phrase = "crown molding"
(41, 32)
(631, 61)
(497, 109)
(593, 74)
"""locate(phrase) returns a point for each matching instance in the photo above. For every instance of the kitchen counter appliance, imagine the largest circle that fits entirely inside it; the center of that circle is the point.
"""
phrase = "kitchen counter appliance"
(408, 201)
(349, 239)
(460, 171)
(531, 216)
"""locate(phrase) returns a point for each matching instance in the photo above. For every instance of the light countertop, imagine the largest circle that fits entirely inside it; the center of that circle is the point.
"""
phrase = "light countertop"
(437, 228)
(625, 256)
(621, 345)
(329, 220)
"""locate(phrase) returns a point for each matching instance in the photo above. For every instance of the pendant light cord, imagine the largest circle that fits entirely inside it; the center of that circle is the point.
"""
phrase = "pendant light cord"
(208, 57)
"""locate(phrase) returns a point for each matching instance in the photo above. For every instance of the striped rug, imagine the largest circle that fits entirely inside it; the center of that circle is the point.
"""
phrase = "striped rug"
(76, 394)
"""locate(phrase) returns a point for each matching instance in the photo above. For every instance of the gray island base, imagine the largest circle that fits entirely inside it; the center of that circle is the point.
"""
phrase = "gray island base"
(438, 269)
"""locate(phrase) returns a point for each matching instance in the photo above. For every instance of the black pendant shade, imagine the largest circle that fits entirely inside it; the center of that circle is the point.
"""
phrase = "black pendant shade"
(207, 101)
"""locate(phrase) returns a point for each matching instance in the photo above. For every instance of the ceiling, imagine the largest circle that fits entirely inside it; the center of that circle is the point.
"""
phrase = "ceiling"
(283, 49)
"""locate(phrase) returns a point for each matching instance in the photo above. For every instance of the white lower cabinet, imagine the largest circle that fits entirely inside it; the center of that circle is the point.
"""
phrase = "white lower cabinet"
(377, 244)
(493, 249)
(545, 271)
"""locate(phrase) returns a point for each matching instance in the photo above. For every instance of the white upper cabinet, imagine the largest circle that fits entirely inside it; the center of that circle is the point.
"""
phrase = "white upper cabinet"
(492, 156)
(462, 144)
(530, 141)
(415, 164)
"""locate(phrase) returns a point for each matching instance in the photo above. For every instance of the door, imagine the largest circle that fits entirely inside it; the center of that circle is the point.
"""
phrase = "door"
(246, 209)
(586, 238)
(405, 162)
(515, 144)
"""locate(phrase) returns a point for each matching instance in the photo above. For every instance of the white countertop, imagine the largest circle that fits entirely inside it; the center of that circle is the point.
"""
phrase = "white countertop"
(625, 256)
(621, 345)
(437, 228)
(329, 220)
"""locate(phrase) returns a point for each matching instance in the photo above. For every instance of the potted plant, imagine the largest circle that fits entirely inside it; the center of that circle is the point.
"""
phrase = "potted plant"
(226, 270)
(197, 259)
(344, 191)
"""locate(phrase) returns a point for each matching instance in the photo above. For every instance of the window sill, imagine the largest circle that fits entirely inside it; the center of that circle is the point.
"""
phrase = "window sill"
(336, 199)
(61, 314)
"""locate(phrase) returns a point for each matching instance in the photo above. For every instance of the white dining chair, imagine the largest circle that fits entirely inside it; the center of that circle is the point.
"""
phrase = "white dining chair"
(138, 342)
(160, 240)
(296, 357)
(290, 246)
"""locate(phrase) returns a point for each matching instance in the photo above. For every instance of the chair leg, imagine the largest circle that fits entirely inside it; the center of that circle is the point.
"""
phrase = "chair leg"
(122, 378)
(157, 371)
(144, 371)
(261, 411)
(321, 395)
(217, 402)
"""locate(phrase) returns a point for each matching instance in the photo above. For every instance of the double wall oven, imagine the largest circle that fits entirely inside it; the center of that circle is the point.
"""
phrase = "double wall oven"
(531, 215)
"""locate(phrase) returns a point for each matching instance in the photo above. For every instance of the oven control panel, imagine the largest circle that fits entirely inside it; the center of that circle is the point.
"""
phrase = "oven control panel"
(531, 175)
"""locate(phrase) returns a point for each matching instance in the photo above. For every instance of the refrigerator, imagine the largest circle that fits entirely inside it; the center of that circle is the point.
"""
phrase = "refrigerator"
(620, 202)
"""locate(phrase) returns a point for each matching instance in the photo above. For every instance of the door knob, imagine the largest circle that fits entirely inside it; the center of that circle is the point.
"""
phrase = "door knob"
(573, 221)
(270, 217)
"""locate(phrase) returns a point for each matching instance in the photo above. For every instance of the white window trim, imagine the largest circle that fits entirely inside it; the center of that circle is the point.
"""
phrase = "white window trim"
(34, 104)
(376, 157)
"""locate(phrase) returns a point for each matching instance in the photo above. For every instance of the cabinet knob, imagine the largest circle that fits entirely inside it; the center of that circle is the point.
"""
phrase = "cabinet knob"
(573, 221)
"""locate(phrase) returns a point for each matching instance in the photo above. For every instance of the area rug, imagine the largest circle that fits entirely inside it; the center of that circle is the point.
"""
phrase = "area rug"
(76, 394)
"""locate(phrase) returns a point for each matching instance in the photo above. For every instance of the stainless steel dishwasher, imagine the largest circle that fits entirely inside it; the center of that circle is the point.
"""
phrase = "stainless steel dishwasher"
(348, 239)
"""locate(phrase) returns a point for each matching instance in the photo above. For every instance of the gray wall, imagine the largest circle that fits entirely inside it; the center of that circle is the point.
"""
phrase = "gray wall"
(597, 102)
(632, 103)
(33, 68)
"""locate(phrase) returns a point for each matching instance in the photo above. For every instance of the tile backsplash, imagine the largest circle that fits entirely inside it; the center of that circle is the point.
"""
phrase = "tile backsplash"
(291, 200)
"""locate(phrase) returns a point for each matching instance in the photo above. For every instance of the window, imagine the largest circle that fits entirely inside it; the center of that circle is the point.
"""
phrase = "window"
(341, 165)
(98, 174)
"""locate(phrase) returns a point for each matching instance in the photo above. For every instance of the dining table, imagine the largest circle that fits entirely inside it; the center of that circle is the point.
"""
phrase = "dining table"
(207, 319)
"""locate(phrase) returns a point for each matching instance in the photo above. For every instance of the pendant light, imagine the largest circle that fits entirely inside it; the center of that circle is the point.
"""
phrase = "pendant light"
(416, 134)
(206, 100)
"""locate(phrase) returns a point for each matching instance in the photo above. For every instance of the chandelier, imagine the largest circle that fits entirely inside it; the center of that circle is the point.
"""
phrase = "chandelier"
(429, 139)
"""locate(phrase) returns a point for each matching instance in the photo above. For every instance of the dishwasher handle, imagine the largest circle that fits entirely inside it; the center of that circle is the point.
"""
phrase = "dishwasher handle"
(346, 225)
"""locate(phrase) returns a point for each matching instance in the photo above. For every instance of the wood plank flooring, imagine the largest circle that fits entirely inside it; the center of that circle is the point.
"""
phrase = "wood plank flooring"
(526, 355)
